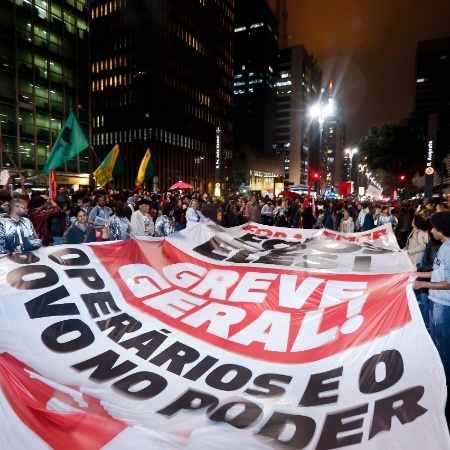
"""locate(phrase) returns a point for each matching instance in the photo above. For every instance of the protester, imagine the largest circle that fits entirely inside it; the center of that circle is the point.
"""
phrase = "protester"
(99, 216)
(417, 240)
(232, 211)
(280, 214)
(17, 233)
(179, 214)
(165, 223)
(193, 215)
(141, 221)
(308, 219)
(362, 211)
(404, 227)
(439, 289)
(369, 221)
(347, 224)
(60, 223)
(319, 223)
(80, 232)
(386, 217)
(267, 213)
(253, 211)
(41, 209)
(119, 225)
(426, 265)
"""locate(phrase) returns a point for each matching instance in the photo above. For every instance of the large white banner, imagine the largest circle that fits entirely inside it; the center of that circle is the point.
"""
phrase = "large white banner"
(250, 337)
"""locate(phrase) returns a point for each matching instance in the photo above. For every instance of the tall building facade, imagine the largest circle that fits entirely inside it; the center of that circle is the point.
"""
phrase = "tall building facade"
(432, 88)
(298, 81)
(335, 154)
(255, 48)
(44, 74)
(162, 78)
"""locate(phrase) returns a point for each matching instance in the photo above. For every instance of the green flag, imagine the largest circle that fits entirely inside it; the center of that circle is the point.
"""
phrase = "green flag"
(70, 141)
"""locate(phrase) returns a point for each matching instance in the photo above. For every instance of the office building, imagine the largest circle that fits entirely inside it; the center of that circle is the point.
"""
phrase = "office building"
(44, 74)
(432, 88)
(162, 78)
(255, 47)
(298, 81)
(255, 37)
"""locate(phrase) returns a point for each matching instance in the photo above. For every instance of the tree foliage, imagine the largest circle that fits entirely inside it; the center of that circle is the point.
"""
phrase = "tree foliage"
(396, 148)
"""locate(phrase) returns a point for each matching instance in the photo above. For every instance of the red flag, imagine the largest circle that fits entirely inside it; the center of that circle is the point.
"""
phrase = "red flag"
(345, 188)
(52, 185)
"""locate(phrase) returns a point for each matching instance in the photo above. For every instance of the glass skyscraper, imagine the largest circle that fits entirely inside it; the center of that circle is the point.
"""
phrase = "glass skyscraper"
(44, 74)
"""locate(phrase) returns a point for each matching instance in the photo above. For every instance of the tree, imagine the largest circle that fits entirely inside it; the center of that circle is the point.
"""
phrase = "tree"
(395, 147)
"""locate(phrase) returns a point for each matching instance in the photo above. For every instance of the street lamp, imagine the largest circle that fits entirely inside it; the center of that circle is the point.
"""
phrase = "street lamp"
(350, 152)
(321, 111)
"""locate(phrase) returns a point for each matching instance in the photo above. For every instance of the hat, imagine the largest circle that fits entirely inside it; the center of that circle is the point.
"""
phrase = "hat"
(144, 201)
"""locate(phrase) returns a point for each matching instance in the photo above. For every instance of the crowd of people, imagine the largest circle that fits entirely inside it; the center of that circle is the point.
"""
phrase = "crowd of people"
(30, 219)
(78, 216)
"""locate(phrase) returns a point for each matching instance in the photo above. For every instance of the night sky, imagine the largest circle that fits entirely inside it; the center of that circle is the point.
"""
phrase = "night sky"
(367, 49)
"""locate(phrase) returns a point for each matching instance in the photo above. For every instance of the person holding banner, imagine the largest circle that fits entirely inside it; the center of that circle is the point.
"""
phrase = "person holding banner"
(99, 216)
(17, 233)
(141, 221)
(79, 232)
(193, 215)
(439, 289)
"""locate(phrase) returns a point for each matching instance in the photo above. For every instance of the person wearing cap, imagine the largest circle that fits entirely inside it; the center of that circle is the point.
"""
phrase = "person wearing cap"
(17, 233)
(141, 221)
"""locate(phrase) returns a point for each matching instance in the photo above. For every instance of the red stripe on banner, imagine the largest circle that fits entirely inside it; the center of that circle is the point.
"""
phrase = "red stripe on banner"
(315, 315)
(90, 429)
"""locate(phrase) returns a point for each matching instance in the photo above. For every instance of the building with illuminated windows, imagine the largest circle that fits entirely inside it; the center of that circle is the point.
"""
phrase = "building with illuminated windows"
(298, 80)
(161, 79)
(255, 43)
(255, 38)
(44, 74)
